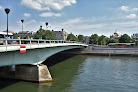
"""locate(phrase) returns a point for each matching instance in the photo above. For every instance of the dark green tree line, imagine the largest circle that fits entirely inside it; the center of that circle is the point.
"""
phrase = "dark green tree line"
(45, 34)
(71, 37)
(124, 39)
(80, 38)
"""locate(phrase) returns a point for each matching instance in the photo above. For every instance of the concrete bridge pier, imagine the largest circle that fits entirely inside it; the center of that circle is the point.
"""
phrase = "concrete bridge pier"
(7, 72)
(36, 73)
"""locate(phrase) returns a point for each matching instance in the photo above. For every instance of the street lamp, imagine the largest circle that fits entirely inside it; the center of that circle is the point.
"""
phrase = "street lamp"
(22, 27)
(46, 28)
(46, 25)
(7, 10)
(62, 29)
(41, 31)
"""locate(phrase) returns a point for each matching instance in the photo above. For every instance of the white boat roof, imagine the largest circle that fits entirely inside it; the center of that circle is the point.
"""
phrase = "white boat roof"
(5, 33)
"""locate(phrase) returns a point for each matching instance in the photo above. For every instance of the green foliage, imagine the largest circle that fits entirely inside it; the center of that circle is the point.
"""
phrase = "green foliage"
(80, 38)
(113, 41)
(49, 35)
(15, 36)
(94, 39)
(45, 34)
(107, 40)
(102, 40)
(71, 37)
(124, 39)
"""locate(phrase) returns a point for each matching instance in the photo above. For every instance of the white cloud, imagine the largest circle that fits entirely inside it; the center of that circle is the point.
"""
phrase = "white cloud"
(131, 16)
(27, 14)
(27, 22)
(79, 24)
(31, 22)
(72, 21)
(90, 26)
(134, 9)
(126, 24)
(0, 7)
(47, 4)
(49, 14)
(126, 8)
(35, 4)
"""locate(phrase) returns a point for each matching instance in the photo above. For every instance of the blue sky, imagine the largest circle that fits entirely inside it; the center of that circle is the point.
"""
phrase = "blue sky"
(77, 16)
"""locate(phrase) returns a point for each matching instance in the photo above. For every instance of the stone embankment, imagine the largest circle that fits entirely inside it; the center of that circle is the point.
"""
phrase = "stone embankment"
(129, 51)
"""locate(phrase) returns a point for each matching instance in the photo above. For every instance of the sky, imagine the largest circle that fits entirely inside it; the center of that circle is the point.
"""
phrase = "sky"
(84, 17)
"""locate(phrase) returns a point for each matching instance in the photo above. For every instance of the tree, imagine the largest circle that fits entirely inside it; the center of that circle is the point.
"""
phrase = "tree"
(80, 38)
(107, 40)
(15, 36)
(94, 39)
(48, 35)
(45, 34)
(102, 40)
(113, 41)
(124, 39)
(71, 37)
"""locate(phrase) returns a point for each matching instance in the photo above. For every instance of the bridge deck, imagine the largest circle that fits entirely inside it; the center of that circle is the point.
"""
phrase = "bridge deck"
(14, 44)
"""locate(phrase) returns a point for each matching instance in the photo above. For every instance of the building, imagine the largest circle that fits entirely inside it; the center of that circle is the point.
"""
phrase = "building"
(135, 38)
(27, 33)
(115, 35)
(86, 39)
(10, 32)
(60, 35)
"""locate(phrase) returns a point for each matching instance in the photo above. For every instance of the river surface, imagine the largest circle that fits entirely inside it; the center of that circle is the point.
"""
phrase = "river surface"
(84, 73)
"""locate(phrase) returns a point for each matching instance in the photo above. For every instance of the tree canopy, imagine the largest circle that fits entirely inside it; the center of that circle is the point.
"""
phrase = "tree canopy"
(45, 34)
(80, 38)
(124, 39)
(71, 37)
(94, 39)
(15, 36)
(113, 41)
(102, 40)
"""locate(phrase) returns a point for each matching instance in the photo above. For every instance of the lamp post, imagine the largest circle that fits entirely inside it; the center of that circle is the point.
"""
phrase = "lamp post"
(46, 29)
(22, 27)
(46, 25)
(62, 29)
(7, 10)
(41, 31)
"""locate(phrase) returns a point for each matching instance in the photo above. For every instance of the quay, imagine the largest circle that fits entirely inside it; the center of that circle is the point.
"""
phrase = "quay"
(106, 51)
(110, 51)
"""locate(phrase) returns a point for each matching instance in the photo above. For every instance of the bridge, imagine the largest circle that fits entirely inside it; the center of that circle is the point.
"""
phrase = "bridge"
(28, 65)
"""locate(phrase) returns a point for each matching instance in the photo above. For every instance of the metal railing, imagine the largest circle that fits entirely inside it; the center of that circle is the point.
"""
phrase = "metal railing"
(8, 42)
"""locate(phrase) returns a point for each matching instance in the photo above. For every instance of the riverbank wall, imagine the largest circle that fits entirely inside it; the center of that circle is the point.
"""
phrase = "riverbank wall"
(104, 51)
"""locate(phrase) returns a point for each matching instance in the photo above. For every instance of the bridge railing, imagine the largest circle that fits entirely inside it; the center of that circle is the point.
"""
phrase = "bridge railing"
(8, 42)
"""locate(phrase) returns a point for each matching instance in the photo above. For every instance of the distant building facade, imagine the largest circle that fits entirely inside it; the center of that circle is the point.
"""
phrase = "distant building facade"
(135, 38)
(86, 39)
(10, 32)
(60, 35)
(27, 33)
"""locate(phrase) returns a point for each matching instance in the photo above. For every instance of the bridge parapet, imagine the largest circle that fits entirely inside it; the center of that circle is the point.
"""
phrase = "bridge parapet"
(14, 44)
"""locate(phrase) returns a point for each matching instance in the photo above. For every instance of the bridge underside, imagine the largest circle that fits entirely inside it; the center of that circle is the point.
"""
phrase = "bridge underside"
(32, 56)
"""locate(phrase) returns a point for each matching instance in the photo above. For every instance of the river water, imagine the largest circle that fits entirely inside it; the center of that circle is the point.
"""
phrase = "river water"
(84, 73)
